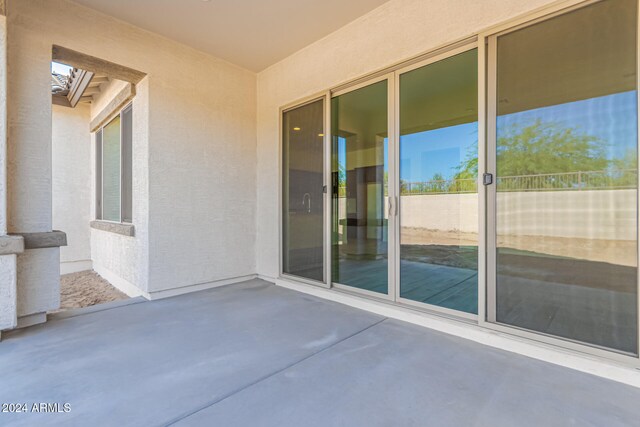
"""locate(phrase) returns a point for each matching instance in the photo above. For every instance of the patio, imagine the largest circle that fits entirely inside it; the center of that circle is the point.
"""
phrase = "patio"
(257, 354)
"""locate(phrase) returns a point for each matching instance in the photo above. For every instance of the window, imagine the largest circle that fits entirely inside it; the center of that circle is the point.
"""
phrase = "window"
(113, 169)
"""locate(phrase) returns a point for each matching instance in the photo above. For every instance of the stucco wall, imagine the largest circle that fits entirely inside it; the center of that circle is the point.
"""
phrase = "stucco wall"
(202, 174)
(194, 177)
(71, 172)
(124, 260)
(395, 31)
(8, 297)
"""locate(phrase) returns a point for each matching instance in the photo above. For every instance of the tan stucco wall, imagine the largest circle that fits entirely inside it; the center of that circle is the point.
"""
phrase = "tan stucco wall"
(8, 297)
(71, 183)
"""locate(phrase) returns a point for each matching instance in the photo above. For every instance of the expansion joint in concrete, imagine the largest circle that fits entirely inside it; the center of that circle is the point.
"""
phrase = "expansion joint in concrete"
(259, 380)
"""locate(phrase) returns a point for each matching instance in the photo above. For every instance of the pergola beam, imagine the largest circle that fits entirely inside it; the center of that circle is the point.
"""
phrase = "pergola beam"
(96, 65)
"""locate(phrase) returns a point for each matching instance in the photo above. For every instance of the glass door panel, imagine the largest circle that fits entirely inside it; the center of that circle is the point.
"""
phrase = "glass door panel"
(566, 187)
(438, 183)
(302, 191)
(359, 126)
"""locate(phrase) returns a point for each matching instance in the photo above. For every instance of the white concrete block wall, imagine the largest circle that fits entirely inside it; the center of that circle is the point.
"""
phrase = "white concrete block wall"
(443, 212)
(598, 214)
(602, 214)
(395, 31)
(71, 159)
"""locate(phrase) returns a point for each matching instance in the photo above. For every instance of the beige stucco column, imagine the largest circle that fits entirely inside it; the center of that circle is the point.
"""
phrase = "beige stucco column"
(9, 245)
(29, 164)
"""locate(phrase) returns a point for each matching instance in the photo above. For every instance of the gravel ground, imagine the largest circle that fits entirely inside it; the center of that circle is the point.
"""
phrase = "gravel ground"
(86, 288)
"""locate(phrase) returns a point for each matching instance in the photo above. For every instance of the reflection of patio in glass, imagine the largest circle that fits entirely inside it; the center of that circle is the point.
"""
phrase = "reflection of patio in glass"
(436, 284)
(564, 296)
(579, 299)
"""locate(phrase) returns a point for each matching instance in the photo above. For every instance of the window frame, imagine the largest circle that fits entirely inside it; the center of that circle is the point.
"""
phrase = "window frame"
(99, 168)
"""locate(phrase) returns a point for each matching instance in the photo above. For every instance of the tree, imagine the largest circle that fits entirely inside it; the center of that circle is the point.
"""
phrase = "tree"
(624, 170)
(543, 148)
(465, 179)
(548, 148)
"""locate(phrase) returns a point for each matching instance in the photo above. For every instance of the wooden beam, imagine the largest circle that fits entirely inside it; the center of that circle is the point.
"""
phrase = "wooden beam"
(60, 100)
(120, 100)
(79, 84)
(3, 7)
(99, 79)
(91, 90)
(96, 65)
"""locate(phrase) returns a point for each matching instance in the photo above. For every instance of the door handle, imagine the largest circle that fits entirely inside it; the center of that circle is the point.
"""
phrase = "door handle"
(487, 178)
(393, 206)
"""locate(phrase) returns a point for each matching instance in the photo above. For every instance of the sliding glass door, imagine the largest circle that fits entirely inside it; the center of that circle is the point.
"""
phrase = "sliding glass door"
(360, 172)
(509, 199)
(405, 214)
(424, 249)
(563, 210)
(438, 183)
(302, 191)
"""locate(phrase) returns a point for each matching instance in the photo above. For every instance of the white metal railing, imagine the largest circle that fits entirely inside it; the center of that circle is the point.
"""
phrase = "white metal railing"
(562, 181)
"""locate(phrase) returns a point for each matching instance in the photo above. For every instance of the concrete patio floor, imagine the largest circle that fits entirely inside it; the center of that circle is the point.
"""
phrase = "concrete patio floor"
(254, 354)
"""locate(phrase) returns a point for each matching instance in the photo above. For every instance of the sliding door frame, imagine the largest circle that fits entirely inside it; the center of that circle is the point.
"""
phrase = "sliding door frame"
(391, 207)
(446, 54)
(292, 106)
(488, 64)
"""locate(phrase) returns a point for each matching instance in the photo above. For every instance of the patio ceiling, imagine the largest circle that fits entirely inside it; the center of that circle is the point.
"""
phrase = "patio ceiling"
(251, 33)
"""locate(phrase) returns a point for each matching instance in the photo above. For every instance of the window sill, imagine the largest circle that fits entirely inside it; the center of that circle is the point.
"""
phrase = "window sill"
(114, 227)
